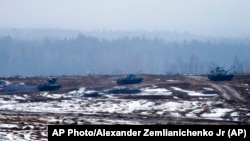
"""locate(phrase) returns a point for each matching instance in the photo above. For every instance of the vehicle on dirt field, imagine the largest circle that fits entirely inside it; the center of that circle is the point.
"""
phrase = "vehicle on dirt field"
(129, 79)
(51, 84)
(220, 74)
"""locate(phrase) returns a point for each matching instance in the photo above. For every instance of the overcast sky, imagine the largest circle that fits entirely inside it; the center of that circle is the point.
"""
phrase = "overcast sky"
(204, 17)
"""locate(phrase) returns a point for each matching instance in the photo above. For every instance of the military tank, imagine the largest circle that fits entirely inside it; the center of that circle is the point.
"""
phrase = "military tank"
(220, 74)
(50, 85)
(129, 79)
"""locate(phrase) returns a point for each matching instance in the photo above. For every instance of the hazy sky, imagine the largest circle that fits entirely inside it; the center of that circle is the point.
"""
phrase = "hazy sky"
(204, 17)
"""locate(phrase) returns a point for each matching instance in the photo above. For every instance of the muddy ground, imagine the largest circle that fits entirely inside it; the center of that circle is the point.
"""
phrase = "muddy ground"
(23, 122)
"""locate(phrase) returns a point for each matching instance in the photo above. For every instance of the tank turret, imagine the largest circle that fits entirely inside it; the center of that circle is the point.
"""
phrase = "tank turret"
(51, 84)
(220, 74)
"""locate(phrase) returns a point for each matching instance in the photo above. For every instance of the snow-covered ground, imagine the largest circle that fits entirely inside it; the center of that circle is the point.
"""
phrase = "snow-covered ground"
(73, 108)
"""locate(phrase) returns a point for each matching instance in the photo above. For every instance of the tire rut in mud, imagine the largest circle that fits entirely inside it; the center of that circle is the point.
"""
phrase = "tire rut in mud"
(226, 91)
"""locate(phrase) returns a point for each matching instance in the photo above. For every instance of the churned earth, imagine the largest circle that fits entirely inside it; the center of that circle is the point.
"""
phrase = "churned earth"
(25, 112)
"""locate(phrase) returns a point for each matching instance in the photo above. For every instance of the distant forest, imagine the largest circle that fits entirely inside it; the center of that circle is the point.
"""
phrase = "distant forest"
(83, 55)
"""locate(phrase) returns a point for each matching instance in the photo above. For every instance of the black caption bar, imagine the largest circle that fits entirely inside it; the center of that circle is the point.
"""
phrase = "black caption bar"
(176, 131)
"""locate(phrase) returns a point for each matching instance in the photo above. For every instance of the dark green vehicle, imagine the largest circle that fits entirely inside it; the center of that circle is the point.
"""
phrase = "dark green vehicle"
(130, 79)
(50, 85)
(219, 74)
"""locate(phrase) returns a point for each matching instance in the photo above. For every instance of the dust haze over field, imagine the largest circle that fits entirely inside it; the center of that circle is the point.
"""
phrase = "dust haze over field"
(81, 54)
(88, 45)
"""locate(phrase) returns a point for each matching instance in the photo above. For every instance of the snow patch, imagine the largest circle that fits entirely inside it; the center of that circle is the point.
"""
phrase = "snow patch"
(22, 83)
(156, 91)
(78, 92)
(216, 113)
(8, 126)
(18, 97)
(192, 93)
(54, 96)
(7, 82)
(171, 80)
(234, 114)
(12, 137)
(208, 89)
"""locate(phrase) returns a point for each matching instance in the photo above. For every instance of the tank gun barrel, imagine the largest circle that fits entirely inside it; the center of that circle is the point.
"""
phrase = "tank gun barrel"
(230, 69)
(139, 71)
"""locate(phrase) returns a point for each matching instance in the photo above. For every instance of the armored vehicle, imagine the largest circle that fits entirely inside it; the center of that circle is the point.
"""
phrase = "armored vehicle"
(129, 79)
(51, 84)
(219, 74)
